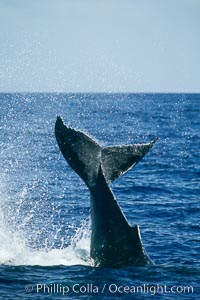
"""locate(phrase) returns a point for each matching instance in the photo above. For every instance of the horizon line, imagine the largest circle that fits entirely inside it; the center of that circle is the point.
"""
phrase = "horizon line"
(96, 92)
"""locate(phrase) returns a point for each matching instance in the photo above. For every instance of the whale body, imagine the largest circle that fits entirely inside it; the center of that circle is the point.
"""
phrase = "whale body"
(113, 241)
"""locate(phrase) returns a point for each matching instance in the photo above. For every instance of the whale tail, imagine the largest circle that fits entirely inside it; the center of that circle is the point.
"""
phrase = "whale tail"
(85, 155)
(113, 241)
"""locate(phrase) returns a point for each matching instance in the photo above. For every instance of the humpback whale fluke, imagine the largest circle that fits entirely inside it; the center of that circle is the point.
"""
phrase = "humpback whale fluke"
(113, 241)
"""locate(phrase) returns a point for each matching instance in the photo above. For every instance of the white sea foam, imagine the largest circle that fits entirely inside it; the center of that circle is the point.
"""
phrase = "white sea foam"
(15, 251)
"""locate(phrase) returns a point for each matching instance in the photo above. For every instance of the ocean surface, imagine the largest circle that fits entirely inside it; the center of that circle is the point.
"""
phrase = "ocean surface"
(45, 208)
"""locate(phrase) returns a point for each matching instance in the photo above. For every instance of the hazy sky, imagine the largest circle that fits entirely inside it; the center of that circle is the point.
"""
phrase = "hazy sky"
(100, 45)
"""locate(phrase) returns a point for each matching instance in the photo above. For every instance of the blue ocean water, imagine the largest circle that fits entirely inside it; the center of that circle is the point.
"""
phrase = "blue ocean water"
(44, 205)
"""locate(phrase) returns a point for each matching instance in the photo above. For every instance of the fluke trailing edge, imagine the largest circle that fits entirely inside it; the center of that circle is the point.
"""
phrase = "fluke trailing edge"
(113, 241)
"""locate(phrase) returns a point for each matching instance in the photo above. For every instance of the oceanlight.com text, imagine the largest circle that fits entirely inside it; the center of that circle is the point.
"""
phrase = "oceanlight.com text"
(111, 288)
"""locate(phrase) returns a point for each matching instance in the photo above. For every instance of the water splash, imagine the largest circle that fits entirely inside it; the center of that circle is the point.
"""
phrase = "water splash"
(15, 249)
